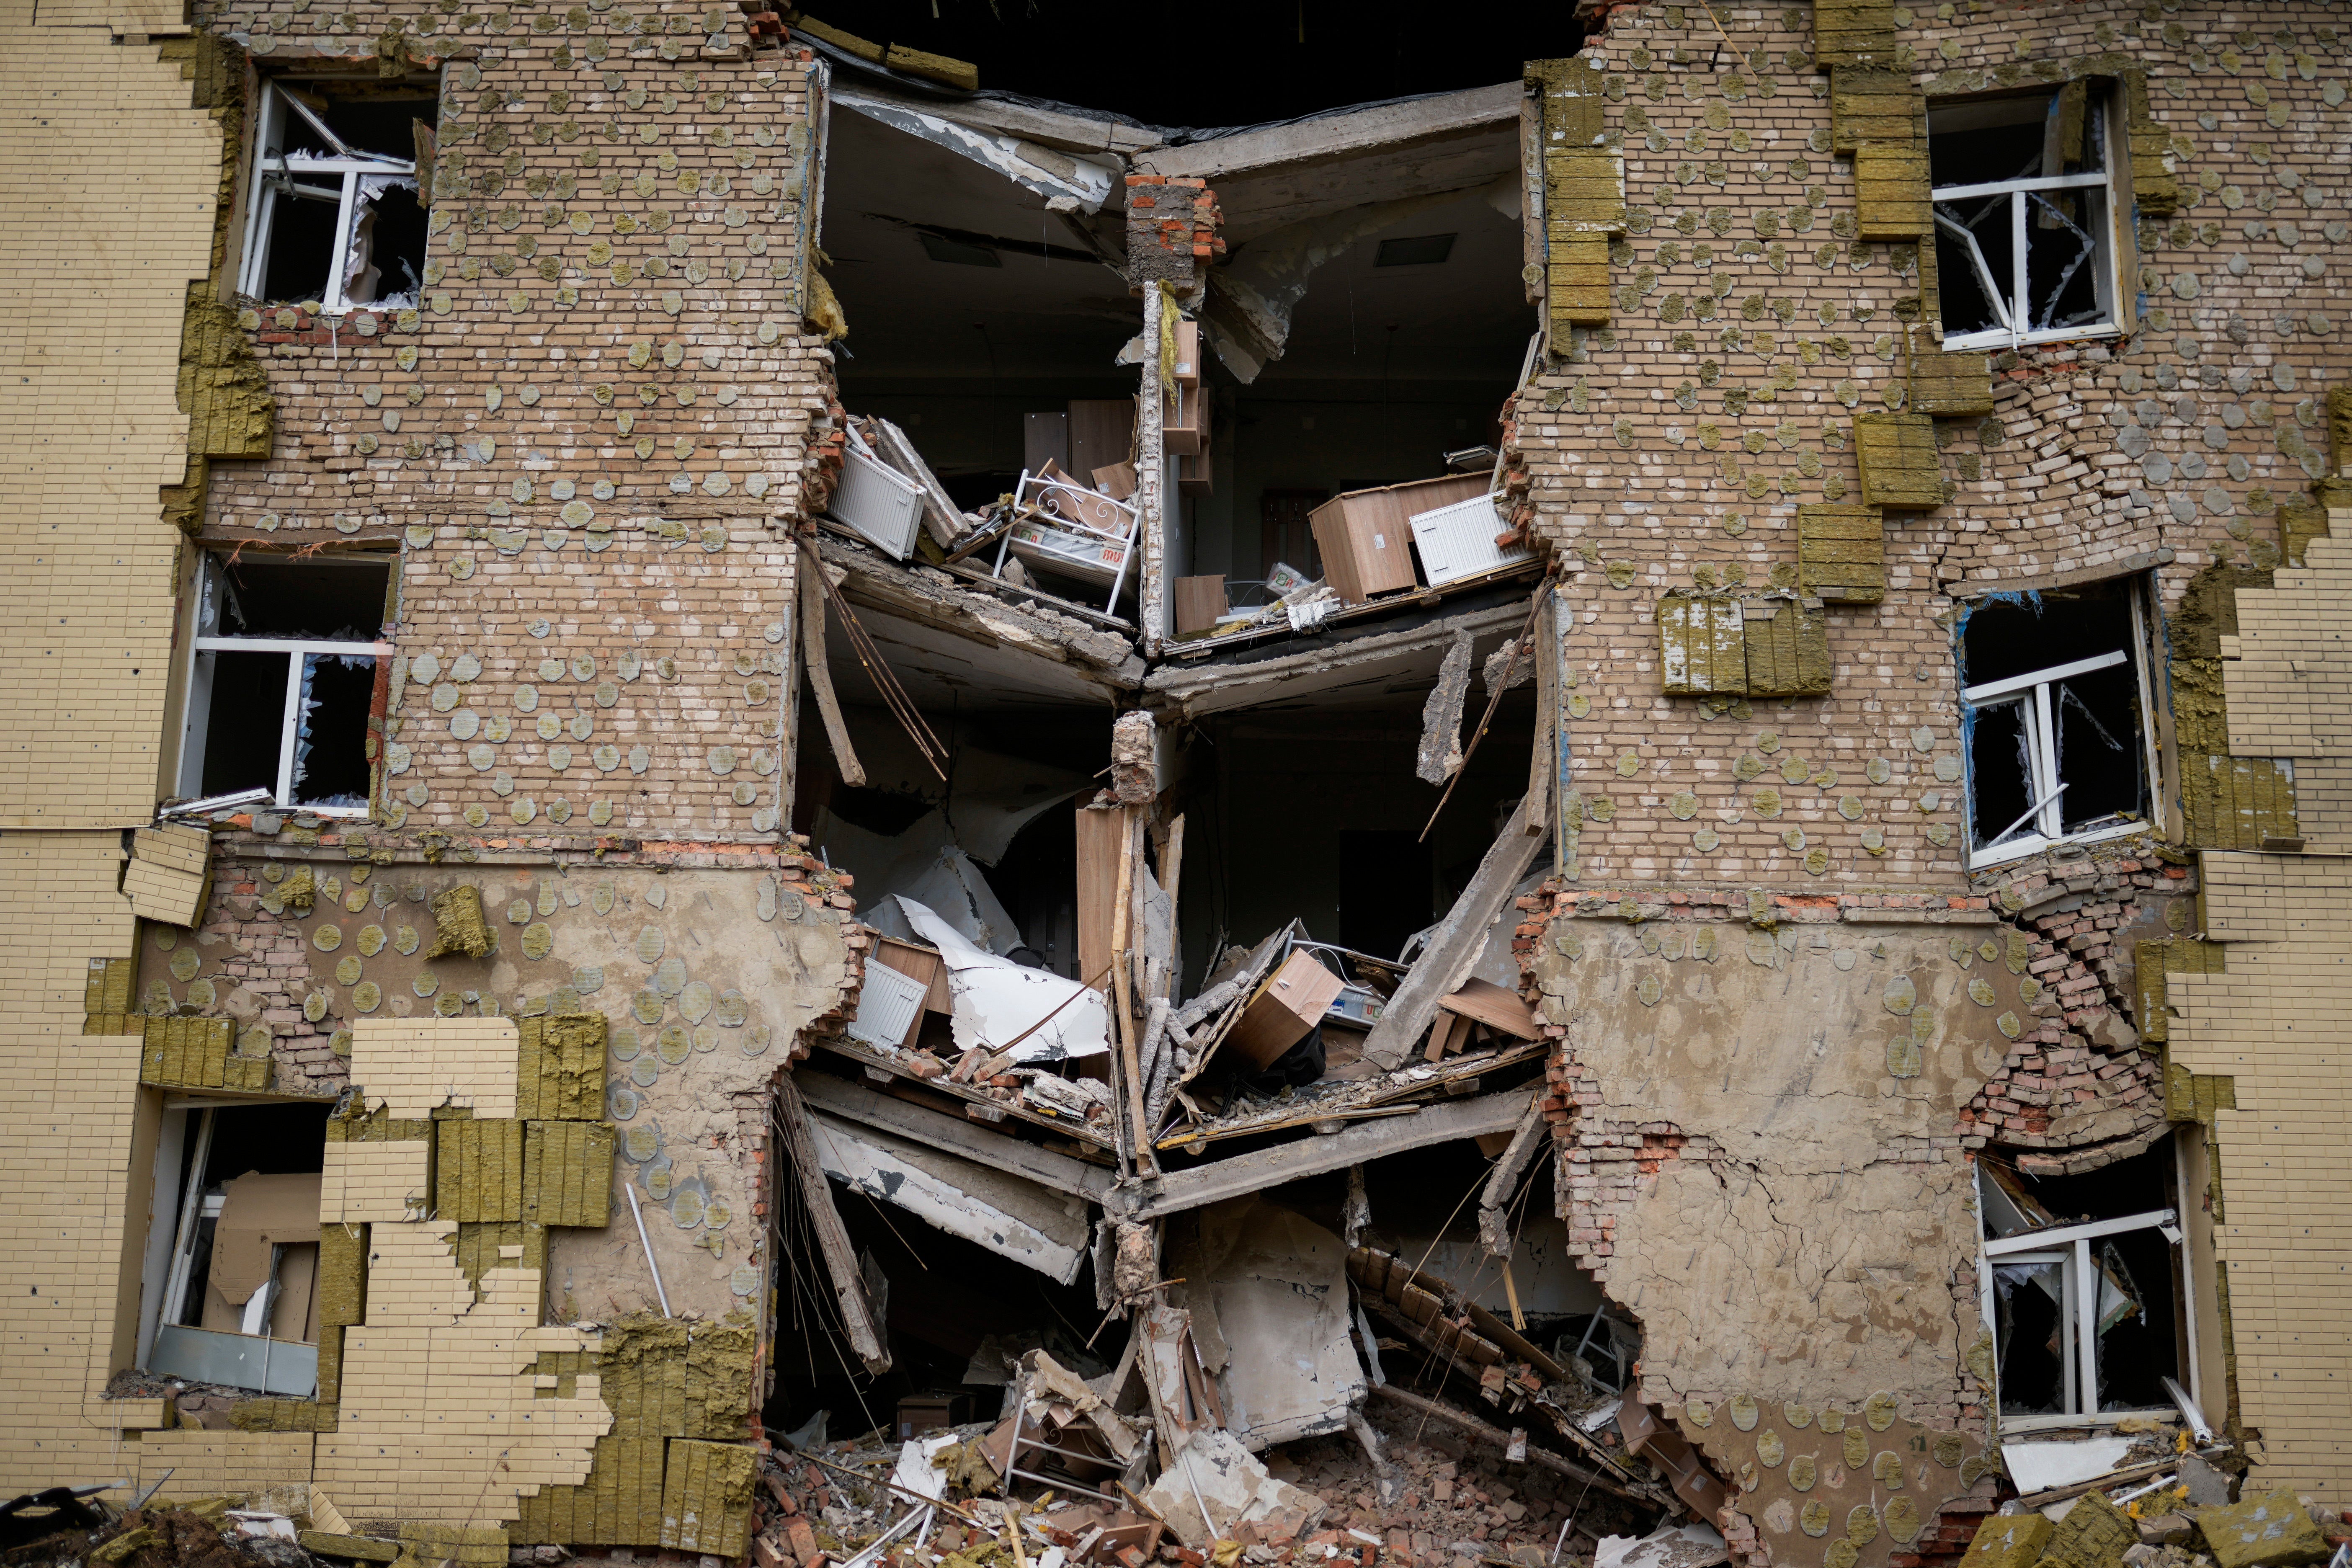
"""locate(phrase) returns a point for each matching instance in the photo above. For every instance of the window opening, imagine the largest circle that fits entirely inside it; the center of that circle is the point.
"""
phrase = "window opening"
(2055, 701)
(232, 1290)
(336, 212)
(282, 680)
(2023, 221)
(2086, 1290)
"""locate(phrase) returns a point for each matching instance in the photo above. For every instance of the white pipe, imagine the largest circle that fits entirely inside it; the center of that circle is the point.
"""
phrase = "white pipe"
(631, 1188)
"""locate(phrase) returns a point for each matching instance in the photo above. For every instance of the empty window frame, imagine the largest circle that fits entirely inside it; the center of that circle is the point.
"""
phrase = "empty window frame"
(2025, 241)
(2091, 1320)
(282, 680)
(335, 213)
(2055, 716)
(229, 1283)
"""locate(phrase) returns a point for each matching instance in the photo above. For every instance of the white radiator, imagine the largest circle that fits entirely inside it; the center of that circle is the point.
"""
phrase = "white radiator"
(887, 1007)
(878, 502)
(1458, 541)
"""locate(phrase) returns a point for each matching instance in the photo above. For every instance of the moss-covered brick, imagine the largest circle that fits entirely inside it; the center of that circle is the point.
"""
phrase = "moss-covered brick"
(1854, 33)
(1890, 188)
(2009, 1540)
(1702, 644)
(1896, 454)
(1842, 554)
(567, 1168)
(1867, 104)
(1787, 643)
(459, 927)
(560, 1067)
(707, 1497)
(477, 1169)
(342, 1274)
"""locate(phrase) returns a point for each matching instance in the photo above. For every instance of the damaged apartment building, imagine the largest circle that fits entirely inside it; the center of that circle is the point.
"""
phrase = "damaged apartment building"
(776, 793)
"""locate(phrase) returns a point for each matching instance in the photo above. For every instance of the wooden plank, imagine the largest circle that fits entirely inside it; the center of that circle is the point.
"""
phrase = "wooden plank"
(976, 1103)
(1494, 1006)
(1352, 1145)
(1535, 811)
(1102, 837)
(832, 1238)
(1452, 952)
(999, 1151)
(820, 672)
(1102, 432)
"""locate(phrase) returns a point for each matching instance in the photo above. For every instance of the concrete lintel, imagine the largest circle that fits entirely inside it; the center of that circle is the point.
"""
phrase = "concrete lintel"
(1232, 685)
(1097, 656)
(839, 1097)
(1978, 587)
(1333, 134)
(1919, 917)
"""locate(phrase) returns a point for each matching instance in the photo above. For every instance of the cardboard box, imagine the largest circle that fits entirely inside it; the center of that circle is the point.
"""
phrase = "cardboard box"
(1292, 1001)
(1198, 601)
(1366, 536)
(1188, 351)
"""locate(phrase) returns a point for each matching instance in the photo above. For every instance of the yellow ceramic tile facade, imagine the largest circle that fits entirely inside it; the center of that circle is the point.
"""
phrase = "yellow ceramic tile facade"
(2275, 1023)
(415, 1066)
(89, 427)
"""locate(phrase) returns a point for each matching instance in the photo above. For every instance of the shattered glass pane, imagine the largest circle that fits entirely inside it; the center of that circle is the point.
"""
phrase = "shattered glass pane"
(2029, 1326)
(2062, 250)
(2098, 723)
(1998, 768)
(331, 765)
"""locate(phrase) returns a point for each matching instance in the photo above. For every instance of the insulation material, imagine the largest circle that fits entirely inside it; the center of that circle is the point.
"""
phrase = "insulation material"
(1077, 184)
(707, 1498)
(503, 1244)
(170, 874)
(342, 1274)
(1037, 1015)
(1703, 646)
(560, 1067)
(106, 997)
(1214, 1471)
(567, 1173)
(927, 866)
(1011, 1217)
(1788, 646)
(195, 1053)
(1891, 193)
(478, 1170)
(457, 924)
(1268, 1293)
(1842, 554)
(1896, 453)
(620, 1504)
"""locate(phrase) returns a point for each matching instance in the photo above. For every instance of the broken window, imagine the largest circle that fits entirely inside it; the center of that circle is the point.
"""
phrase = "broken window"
(283, 679)
(2086, 1290)
(2024, 249)
(2055, 714)
(336, 214)
(230, 1284)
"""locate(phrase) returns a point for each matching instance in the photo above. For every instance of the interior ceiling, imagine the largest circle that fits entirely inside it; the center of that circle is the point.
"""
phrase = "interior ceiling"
(1219, 62)
(1255, 201)
(1466, 317)
(945, 672)
(1031, 317)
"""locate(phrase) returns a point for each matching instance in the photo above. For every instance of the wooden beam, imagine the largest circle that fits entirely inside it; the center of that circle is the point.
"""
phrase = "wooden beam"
(832, 1238)
(953, 1135)
(1436, 1410)
(820, 673)
(1311, 1156)
(1505, 1180)
(1453, 951)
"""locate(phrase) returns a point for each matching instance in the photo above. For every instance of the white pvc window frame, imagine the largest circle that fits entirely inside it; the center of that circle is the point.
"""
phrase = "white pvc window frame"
(2044, 826)
(195, 697)
(2012, 297)
(335, 179)
(2071, 1246)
